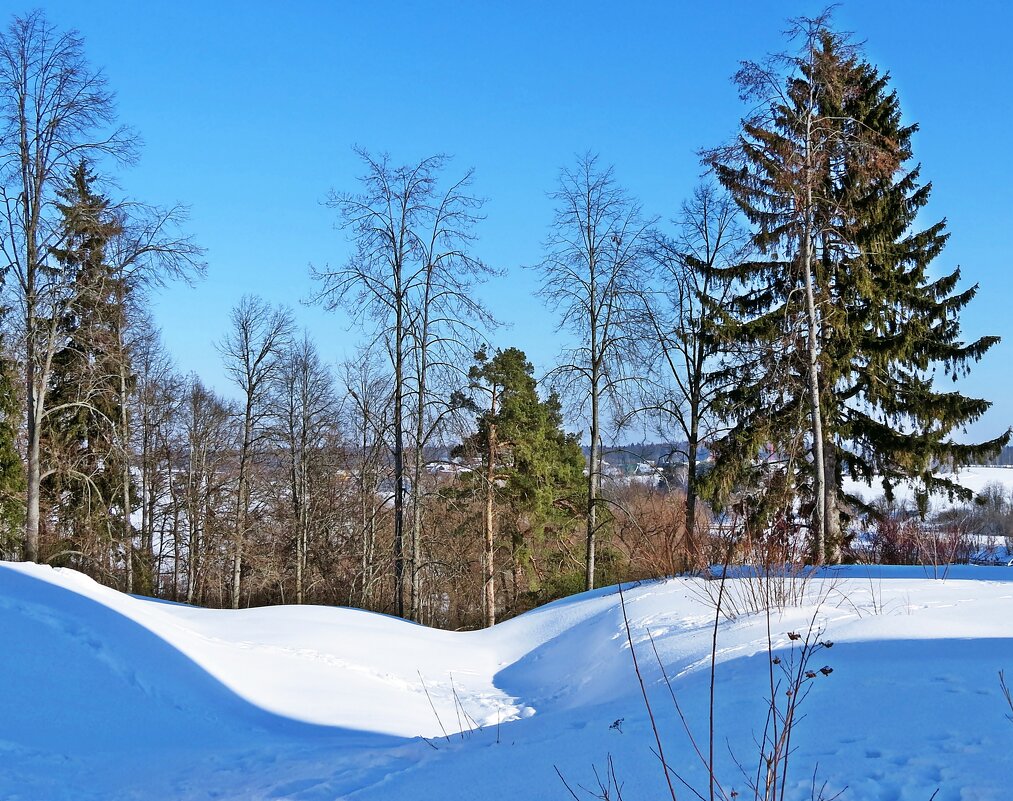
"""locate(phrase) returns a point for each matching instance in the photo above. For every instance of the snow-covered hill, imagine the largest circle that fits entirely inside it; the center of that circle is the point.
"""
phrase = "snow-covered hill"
(107, 696)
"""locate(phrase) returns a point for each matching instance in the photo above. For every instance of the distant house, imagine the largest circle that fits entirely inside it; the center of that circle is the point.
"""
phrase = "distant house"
(451, 468)
(607, 470)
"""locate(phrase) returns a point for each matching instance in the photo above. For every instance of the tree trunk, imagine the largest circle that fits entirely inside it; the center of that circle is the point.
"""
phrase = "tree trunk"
(594, 466)
(304, 505)
(34, 418)
(399, 466)
(128, 531)
(147, 523)
(488, 562)
(414, 575)
(34, 488)
(242, 502)
(365, 508)
(297, 491)
(819, 464)
(690, 517)
(834, 535)
(593, 483)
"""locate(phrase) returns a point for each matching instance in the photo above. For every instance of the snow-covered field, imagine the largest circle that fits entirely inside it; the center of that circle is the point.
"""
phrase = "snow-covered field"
(975, 479)
(107, 696)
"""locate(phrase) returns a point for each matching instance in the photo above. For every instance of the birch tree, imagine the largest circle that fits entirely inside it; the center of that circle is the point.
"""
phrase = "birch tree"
(306, 405)
(251, 352)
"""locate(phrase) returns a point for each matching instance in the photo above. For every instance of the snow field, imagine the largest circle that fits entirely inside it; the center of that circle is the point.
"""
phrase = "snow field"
(975, 479)
(111, 696)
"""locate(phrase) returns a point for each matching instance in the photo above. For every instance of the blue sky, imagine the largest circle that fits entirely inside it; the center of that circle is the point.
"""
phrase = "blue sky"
(249, 110)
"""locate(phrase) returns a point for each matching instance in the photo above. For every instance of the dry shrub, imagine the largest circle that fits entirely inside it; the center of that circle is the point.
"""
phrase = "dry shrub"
(910, 541)
(769, 569)
(650, 532)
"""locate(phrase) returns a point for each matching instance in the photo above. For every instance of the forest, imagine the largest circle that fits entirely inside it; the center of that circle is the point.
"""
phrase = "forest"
(788, 331)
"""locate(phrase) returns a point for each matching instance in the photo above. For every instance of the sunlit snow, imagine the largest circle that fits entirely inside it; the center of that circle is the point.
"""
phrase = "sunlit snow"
(110, 696)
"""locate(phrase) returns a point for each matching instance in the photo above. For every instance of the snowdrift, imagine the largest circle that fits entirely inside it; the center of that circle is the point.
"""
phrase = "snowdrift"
(111, 696)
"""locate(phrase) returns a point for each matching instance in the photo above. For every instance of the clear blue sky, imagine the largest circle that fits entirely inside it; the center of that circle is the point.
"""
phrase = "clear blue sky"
(249, 110)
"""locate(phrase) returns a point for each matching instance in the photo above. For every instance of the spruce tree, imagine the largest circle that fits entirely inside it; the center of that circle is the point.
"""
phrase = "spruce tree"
(85, 459)
(893, 326)
(838, 327)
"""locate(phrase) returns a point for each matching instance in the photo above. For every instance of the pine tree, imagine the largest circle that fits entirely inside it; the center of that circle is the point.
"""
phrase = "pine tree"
(529, 464)
(839, 327)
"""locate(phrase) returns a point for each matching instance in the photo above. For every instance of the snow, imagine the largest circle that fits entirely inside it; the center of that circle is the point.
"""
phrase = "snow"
(975, 479)
(112, 696)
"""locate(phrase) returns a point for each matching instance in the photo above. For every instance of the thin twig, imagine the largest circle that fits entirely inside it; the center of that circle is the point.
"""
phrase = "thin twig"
(643, 691)
(685, 724)
(680, 778)
(459, 707)
(433, 706)
(457, 711)
(1006, 694)
(713, 671)
(568, 788)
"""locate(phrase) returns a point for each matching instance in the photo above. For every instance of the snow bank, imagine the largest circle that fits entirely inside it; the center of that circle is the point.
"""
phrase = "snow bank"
(111, 696)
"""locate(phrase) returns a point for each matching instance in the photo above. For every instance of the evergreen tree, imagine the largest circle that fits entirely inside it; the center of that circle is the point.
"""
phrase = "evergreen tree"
(85, 459)
(531, 467)
(780, 171)
(839, 328)
(12, 474)
(893, 326)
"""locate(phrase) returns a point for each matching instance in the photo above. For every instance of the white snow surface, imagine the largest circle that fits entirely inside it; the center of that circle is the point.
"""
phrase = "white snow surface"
(975, 479)
(108, 696)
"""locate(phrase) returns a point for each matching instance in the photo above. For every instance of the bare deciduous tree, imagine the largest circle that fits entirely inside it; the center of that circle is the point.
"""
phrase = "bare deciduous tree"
(306, 405)
(55, 112)
(156, 401)
(411, 274)
(251, 353)
(682, 350)
(592, 275)
(208, 444)
(366, 419)
(148, 250)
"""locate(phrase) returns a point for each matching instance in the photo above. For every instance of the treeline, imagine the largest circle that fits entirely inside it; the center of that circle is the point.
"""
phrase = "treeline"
(1003, 459)
(784, 326)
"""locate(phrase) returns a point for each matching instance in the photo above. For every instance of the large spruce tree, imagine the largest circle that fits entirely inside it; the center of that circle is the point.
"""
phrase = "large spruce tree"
(83, 455)
(892, 327)
(838, 327)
